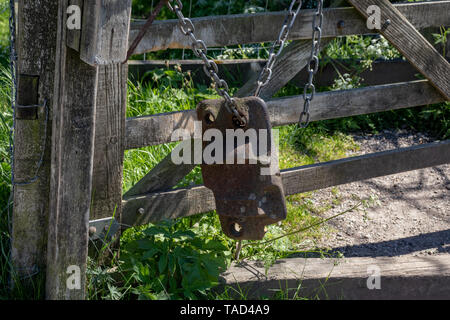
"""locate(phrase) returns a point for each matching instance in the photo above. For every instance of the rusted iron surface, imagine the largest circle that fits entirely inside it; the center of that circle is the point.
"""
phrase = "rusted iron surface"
(246, 200)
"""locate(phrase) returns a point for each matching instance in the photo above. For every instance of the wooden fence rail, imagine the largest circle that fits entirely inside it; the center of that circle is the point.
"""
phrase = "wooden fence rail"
(382, 71)
(220, 31)
(157, 129)
(185, 202)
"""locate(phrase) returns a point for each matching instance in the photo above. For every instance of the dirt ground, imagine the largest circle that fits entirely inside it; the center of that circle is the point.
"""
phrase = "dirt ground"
(413, 214)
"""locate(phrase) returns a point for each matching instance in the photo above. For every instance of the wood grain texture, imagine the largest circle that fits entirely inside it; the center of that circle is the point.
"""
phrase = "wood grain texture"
(219, 31)
(402, 277)
(157, 129)
(105, 29)
(109, 141)
(71, 168)
(190, 201)
(36, 57)
(414, 47)
(292, 60)
(383, 71)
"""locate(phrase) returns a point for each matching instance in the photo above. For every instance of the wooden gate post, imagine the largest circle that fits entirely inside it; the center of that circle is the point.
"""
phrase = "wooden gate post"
(109, 141)
(35, 75)
(71, 173)
(414, 47)
(110, 120)
(102, 41)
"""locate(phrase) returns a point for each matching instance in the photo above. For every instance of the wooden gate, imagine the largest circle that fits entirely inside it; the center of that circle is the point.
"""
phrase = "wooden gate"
(84, 81)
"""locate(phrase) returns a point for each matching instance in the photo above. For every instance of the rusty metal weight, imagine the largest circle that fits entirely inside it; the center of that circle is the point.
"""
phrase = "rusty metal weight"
(249, 195)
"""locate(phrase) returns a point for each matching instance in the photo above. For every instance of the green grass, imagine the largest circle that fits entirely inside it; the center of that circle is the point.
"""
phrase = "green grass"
(5, 177)
(4, 32)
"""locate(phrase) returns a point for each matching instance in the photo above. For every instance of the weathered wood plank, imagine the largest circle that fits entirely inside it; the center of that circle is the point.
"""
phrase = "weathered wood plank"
(319, 176)
(403, 277)
(158, 127)
(36, 57)
(190, 201)
(105, 30)
(219, 31)
(383, 71)
(109, 141)
(153, 130)
(71, 168)
(238, 68)
(345, 103)
(414, 47)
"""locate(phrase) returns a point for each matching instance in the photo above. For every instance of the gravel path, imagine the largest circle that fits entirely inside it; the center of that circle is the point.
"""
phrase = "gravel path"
(413, 214)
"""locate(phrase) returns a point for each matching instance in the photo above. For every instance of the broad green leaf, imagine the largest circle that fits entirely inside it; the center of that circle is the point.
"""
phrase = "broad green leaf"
(162, 264)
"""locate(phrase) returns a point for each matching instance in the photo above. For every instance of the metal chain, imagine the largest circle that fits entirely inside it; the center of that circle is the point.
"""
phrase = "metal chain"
(266, 73)
(210, 67)
(313, 65)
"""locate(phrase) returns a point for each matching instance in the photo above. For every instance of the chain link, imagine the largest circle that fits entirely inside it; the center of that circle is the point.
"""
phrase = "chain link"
(313, 65)
(200, 50)
(266, 73)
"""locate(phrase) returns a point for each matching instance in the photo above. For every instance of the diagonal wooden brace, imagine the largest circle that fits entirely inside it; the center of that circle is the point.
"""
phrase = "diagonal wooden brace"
(414, 47)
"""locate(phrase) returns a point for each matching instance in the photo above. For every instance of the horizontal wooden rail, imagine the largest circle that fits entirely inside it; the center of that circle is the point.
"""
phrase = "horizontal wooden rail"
(157, 129)
(219, 31)
(382, 71)
(179, 203)
(405, 277)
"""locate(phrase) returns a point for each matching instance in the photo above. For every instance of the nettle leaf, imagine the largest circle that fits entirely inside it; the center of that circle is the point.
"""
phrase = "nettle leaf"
(198, 243)
(172, 264)
(145, 244)
(173, 284)
(214, 245)
(183, 264)
(131, 247)
(153, 231)
(184, 234)
(190, 295)
(162, 264)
